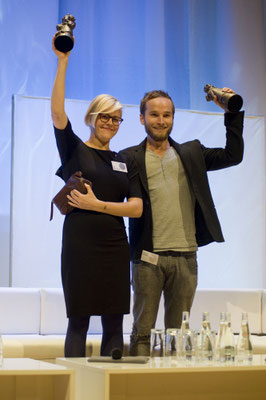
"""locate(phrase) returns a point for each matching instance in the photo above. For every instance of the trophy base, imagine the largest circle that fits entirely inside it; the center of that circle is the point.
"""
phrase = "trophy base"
(63, 43)
(235, 103)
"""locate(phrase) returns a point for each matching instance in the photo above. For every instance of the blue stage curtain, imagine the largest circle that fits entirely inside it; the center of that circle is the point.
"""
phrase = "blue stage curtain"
(127, 47)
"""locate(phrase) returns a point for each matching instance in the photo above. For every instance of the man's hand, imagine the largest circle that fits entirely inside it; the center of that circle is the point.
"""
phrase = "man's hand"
(227, 90)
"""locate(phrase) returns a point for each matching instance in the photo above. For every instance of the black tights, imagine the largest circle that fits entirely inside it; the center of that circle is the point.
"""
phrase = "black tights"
(75, 344)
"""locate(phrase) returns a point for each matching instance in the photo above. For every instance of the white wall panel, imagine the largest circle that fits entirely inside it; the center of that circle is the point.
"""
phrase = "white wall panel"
(239, 194)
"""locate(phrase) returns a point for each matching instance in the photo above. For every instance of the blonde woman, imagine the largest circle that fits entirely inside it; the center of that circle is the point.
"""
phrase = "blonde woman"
(95, 250)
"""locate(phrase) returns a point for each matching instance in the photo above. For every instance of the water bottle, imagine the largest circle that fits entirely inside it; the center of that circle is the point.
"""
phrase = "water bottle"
(244, 346)
(1, 350)
(206, 338)
(227, 345)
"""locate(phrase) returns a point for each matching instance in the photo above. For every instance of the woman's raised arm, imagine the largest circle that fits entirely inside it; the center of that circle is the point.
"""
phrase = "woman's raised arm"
(59, 116)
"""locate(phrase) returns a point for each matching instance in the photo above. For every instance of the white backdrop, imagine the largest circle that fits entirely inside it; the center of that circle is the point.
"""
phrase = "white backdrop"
(239, 194)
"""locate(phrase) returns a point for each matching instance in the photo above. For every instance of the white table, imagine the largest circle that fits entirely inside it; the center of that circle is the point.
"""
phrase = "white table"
(162, 380)
(27, 379)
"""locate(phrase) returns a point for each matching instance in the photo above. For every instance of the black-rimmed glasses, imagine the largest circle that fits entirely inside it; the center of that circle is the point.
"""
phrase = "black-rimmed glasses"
(106, 117)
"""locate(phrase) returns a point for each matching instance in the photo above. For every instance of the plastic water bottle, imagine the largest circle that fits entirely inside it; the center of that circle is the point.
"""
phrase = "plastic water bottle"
(227, 346)
(244, 346)
(1, 350)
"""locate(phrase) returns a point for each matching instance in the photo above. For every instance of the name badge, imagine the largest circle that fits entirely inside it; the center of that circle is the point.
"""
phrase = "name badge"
(149, 257)
(119, 166)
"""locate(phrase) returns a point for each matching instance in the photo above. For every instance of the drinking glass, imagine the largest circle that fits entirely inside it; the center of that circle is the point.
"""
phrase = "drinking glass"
(157, 343)
(171, 342)
(189, 345)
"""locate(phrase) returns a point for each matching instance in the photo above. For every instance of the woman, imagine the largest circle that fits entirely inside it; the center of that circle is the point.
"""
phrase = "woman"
(95, 251)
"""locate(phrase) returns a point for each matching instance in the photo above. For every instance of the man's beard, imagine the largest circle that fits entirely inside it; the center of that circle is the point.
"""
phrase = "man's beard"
(158, 138)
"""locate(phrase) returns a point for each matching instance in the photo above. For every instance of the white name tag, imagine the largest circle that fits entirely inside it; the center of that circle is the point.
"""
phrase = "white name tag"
(149, 257)
(119, 166)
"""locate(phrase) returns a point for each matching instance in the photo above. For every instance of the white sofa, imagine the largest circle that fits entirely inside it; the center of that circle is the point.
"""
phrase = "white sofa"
(33, 321)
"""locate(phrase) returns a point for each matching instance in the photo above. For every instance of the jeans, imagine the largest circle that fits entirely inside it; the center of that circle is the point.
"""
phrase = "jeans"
(175, 277)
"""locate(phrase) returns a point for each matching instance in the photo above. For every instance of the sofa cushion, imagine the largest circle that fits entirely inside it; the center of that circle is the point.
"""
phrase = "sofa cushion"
(258, 344)
(263, 312)
(234, 301)
(12, 346)
(19, 310)
(53, 312)
(20, 319)
(41, 347)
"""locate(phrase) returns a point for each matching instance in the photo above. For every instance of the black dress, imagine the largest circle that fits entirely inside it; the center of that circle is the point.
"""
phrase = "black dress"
(95, 250)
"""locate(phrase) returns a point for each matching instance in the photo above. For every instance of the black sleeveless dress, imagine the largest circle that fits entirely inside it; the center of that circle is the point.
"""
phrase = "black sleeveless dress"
(95, 251)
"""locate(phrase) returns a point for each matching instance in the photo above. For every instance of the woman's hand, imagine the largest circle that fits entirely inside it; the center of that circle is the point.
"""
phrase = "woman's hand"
(86, 201)
(60, 55)
(133, 207)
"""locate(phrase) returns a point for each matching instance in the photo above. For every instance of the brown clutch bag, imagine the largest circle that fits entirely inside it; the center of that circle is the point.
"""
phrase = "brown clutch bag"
(76, 181)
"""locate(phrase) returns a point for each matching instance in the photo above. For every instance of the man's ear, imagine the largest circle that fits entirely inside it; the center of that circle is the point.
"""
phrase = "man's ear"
(141, 118)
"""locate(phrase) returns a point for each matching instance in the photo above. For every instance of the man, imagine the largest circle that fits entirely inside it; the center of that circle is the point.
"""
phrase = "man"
(178, 216)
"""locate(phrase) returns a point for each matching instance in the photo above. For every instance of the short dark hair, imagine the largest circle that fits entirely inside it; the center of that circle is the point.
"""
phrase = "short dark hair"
(154, 94)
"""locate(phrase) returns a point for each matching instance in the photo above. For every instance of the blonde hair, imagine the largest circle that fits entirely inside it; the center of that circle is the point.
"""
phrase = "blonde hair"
(103, 103)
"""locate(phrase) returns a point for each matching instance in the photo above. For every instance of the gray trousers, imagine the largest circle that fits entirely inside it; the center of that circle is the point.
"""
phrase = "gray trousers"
(175, 277)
